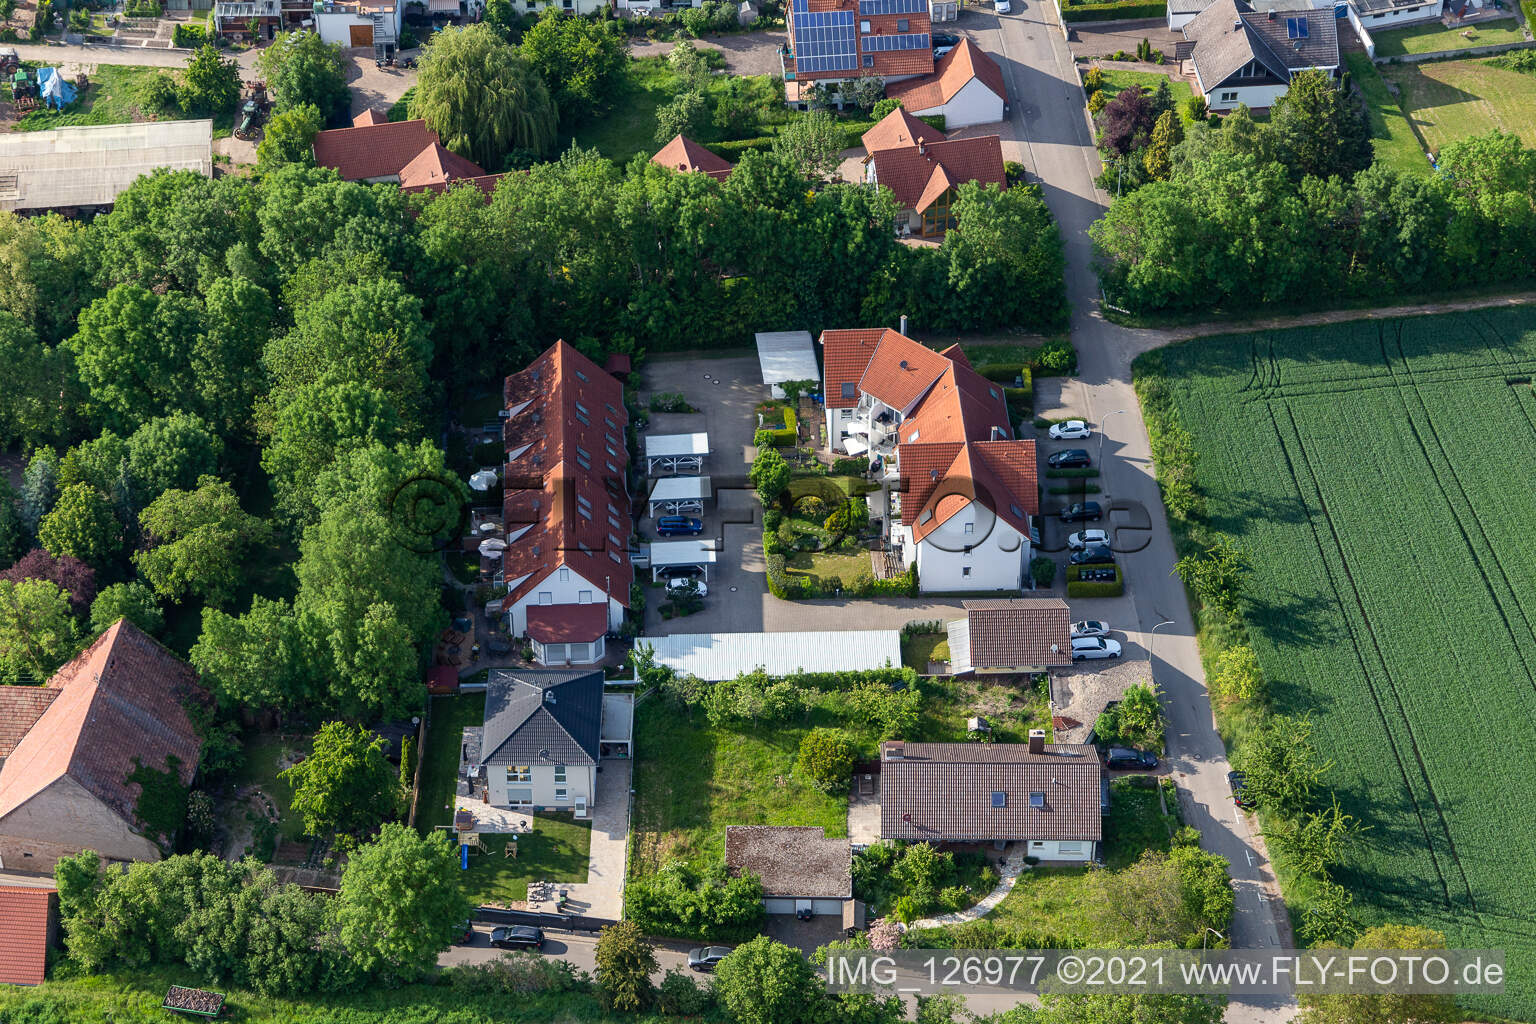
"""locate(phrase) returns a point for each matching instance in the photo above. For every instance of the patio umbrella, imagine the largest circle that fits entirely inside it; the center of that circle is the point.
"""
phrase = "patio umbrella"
(483, 480)
(492, 546)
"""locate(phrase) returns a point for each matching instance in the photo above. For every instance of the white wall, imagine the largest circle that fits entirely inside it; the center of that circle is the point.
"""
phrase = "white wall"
(1178, 21)
(567, 590)
(336, 28)
(1257, 97)
(973, 104)
(1058, 850)
(585, 653)
(1375, 21)
(837, 420)
(996, 561)
(786, 905)
(580, 780)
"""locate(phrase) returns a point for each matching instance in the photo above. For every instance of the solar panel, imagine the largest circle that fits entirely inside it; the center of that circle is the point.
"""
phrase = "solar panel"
(893, 6)
(824, 40)
(1296, 28)
(909, 41)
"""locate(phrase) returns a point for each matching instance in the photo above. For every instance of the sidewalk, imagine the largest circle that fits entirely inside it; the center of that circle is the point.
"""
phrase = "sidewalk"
(602, 894)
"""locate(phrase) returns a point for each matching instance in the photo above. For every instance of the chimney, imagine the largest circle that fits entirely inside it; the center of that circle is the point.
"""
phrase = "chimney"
(893, 750)
(1271, 15)
(903, 324)
(922, 147)
(1237, 24)
(1037, 741)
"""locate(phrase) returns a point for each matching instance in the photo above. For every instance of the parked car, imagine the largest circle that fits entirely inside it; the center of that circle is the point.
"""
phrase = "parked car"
(677, 572)
(680, 584)
(1087, 537)
(945, 39)
(1089, 627)
(939, 51)
(1071, 430)
(518, 936)
(1082, 512)
(679, 526)
(1097, 574)
(1093, 554)
(1072, 458)
(467, 936)
(1129, 758)
(706, 958)
(1094, 647)
(1236, 780)
(1004, 6)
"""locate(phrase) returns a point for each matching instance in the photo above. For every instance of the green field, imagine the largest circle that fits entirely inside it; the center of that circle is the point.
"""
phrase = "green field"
(1392, 136)
(1434, 37)
(1116, 79)
(1370, 473)
(1454, 99)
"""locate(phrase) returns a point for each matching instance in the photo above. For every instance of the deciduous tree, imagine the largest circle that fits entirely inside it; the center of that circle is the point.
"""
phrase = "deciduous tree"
(811, 144)
(1390, 1007)
(481, 99)
(70, 575)
(826, 758)
(259, 659)
(197, 542)
(345, 785)
(625, 963)
(1125, 124)
(400, 903)
(1320, 129)
(1005, 258)
(82, 525)
(289, 138)
(132, 601)
(211, 85)
(304, 70)
(766, 982)
(582, 62)
(770, 475)
(133, 353)
(1281, 768)
(37, 631)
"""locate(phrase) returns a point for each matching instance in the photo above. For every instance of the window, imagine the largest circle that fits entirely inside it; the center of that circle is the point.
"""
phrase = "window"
(565, 575)
(519, 773)
(1037, 800)
(999, 798)
(1069, 849)
(970, 527)
(585, 597)
(869, 61)
(864, 27)
(583, 420)
(546, 597)
(583, 461)
(579, 375)
(562, 795)
(965, 571)
(1296, 28)
(559, 774)
(848, 389)
(913, 436)
(902, 24)
(1229, 97)
(579, 407)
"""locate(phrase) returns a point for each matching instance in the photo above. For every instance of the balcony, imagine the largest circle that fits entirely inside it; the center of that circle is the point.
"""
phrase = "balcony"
(247, 9)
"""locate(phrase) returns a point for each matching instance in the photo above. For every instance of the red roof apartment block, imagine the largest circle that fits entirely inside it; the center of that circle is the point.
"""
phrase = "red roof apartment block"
(843, 39)
(26, 917)
(685, 155)
(406, 153)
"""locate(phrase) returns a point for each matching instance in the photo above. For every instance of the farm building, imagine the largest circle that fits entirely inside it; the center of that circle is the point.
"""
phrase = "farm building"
(86, 168)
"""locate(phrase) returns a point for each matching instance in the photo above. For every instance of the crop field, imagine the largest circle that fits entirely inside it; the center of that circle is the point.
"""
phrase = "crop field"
(1377, 476)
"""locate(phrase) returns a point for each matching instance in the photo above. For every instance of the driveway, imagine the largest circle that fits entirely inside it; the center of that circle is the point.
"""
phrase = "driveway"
(602, 894)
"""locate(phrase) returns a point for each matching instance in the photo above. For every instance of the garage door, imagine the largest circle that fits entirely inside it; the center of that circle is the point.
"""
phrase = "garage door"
(779, 906)
(362, 35)
(829, 907)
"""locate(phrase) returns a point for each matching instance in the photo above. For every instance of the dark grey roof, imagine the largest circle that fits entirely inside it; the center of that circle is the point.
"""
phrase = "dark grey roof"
(1229, 33)
(1371, 6)
(542, 716)
(944, 792)
(1319, 48)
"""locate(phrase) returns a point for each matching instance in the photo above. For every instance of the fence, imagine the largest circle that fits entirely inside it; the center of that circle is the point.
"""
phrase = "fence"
(421, 758)
(563, 922)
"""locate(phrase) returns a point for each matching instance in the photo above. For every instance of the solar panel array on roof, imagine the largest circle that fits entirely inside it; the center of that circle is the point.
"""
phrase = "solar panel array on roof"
(1296, 28)
(893, 6)
(824, 40)
(908, 41)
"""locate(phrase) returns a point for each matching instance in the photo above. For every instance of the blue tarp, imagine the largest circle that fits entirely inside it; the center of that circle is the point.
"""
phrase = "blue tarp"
(53, 89)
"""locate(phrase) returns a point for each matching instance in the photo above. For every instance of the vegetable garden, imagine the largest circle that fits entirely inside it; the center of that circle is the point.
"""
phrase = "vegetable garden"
(1373, 474)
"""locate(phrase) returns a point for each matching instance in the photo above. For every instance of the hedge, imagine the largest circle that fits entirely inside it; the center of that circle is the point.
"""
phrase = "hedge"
(1067, 473)
(732, 150)
(1072, 10)
(1002, 373)
(783, 437)
(857, 466)
(1083, 588)
(189, 36)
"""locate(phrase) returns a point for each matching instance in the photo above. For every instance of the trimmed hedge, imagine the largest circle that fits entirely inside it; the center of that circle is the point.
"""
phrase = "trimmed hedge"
(1083, 588)
(732, 150)
(189, 36)
(850, 467)
(783, 437)
(1067, 473)
(1075, 10)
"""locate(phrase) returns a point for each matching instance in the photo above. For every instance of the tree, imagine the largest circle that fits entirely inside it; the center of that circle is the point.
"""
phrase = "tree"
(345, 785)
(305, 71)
(289, 138)
(770, 475)
(1127, 1009)
(1280, 766)
(132, 601)
(1166, 133)
(1315, 841)
(13, 533)
(481, 99)
(865, 91)
(174, 451)
(1125, 123)
(1142, 904)
(1238, 678)
(37, 379)
(211, 85)
(683, 115)
(316, 421)
(197, 542)
(39, 488)
(70, 575)
(400, 903)
(82, 525)
(766, 982)
(258, 660)
(1216, 576)
(226, 359)
(883, 108)
(625, 963)
(1328, 918)
(1389, 1007)
(581, 61)
(1320, 129)
(1005, 258)
(46, 265)
(826, 758)
(133, 353)
(37, 631)
(500, 16)
(811, 144)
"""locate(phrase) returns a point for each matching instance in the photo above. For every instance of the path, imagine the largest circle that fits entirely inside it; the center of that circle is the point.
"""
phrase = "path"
(1012, 868)
(602, 894)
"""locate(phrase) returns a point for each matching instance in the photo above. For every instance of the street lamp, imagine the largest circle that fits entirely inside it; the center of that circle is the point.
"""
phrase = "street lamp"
(1102, 423)
(1151, 643)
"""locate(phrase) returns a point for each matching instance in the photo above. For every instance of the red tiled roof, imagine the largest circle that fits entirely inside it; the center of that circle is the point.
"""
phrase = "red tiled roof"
(897, 130)
(918, 175)
(368, 117)
(407, 150)
(20, 706)
(1000, 475)
(567, 623)
(24, 913)
(1009, 633)
(564, 514)
(961, 406)
(901, 370)
(886, 63)
(436, 165)
(683, 154)
(120, 702)
(485, 183)
(956, 68)
(845, 356)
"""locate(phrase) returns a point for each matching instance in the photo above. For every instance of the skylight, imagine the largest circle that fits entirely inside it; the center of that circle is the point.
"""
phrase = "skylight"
(1037, 800)
(999, 798)
(1296, 28)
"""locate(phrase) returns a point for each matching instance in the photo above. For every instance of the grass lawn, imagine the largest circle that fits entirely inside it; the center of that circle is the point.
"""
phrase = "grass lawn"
(1392, 136)
(113, 97)
(825, 564)
(1116, 79)
(1392, 594)
(1011, 709)
(449, 716)
(1434, 37)
(919, 649)
(556, 851)
(1453, 99)
(264, 754)
(465, 565)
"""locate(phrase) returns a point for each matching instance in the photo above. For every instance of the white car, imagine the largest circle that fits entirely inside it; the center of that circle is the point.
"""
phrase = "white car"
(1089, 628)
(1003, 6)
(680, 584)
(939, 51)
(1092, 647)
(1071, 430)
(1078, 541)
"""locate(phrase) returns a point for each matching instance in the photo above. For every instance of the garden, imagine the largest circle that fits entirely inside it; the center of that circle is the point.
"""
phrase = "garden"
(1434, 37)
(1450, 100)
(909, 881)
(1392, 137)
(1412, 666)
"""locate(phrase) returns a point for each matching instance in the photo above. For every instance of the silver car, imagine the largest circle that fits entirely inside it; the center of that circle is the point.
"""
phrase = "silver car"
(1089, 628)
(1090, 648)
(1082, 539)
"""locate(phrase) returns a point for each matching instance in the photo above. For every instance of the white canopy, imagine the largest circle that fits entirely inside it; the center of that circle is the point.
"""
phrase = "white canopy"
(786, 355)
(853, 446)
(678, 554)
(676, 453)
(716, 656)
(679, 495)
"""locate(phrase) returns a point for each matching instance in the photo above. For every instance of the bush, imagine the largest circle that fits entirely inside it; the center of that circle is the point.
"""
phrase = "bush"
(851, 467)
(1097, 102)
(826, 758)
(1042, 570)
(679, 995)
(709, 905)
(1083, 588)
(189, 36)
(1135, 721)
(1055, 358)
(670, 401)
(1093, 80)
(732, 150)
(777, 437)
(811, 507)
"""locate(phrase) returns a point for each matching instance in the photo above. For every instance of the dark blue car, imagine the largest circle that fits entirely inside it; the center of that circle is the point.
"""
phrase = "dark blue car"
(679, 526)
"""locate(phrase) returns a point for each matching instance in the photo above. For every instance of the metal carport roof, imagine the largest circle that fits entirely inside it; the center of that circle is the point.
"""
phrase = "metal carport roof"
(786, 355)
(680, 494)
(716, 656)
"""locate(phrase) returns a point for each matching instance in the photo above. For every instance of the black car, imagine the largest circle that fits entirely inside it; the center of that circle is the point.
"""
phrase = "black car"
(1093, 554)
(945, 39)
(1129, 758)
(518, 936)
(1082, 512)
(1097, 575)
(1236, 780)
(1072, 458)
(706, 958)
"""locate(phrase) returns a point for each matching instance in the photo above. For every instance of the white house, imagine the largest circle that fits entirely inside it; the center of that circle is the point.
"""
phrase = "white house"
(1044, 795)
(964, 488)
(966, 88)
(566, 509)
(361, 23)
(1371, 14)
(1245, 57)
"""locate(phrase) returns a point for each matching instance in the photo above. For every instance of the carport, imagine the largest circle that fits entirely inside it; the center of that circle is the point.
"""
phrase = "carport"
(681, 554)
(680, 495)
(716, 656)
(785, 356)
(675, 453)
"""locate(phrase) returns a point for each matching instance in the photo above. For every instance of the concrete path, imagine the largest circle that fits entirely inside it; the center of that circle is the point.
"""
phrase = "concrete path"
(1012, 868)
(602, 894)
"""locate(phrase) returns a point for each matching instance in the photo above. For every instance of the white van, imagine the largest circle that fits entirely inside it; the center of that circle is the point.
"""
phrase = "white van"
(1004, 7)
